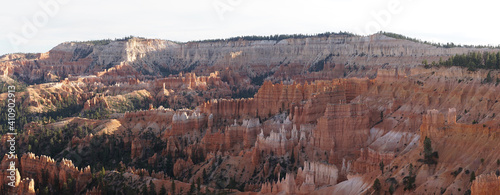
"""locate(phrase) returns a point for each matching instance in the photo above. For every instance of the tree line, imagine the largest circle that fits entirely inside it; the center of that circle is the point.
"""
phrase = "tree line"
(472, 61)
(276, 37)
(447, 45)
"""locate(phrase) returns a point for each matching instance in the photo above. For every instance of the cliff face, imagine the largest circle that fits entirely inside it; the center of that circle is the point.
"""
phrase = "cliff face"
(486, 184)
(188, 111)
(33, 166)
(344, 127)
(251, 58)
(313, 174)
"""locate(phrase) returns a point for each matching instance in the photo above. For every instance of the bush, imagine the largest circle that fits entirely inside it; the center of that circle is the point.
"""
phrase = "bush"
(391, 189)
(455, 173)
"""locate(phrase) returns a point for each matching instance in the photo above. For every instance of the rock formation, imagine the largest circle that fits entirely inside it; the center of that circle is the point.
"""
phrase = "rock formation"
(344, 127)
(316, 115)
(32, 167)
(486, 184)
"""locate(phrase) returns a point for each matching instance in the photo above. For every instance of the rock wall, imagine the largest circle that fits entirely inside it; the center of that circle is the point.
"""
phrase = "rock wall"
(344, 127)
(151, 56)
(312, 175)
(486, 184)
(369, 160)
(32, 167)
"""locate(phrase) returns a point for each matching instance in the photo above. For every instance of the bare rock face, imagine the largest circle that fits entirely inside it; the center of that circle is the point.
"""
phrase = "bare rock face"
(137, 149)
(486, 184)
(284, 59)
(370, 160)
(32, 167)
(304, 102)
(96, 102)
(26, 186)
(322, 174)
(313, 174)
(182, 165)
(344, 127)
(308, 110)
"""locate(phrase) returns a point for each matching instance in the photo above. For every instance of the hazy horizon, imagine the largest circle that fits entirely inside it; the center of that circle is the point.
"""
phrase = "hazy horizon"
(38, 27)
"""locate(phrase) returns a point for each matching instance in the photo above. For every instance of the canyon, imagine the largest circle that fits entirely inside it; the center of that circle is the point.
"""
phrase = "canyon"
(316, 115)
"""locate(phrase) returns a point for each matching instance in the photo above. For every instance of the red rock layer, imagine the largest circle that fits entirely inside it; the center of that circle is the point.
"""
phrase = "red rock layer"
(344, 127)
(313, 174)
(486, 185)
(32, 167)
(369, 160)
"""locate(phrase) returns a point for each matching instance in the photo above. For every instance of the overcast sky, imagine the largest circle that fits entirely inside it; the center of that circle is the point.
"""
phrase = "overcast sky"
(38, 26)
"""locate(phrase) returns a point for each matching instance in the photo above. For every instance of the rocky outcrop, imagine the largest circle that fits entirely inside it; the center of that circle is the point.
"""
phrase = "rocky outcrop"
(343, 128)
(369, 160)
(277, 143)
(189, 81)
(285, 58)
(181, 166)
(181, 122)
(225, 109)
(32, 167)
(486, 184)
(96, 102)
(321, 174)
(312, 175)
(305, 102)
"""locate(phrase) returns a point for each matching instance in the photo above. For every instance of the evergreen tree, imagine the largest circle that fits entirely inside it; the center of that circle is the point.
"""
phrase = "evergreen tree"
(472, 176)
(172, 187)
(391, 189)
(207, 191)
(170, 165)
(205, 176)
(152, 188)
(144, 190)
(376, 185)
(192, 188)
(232, 183)
(381, 164)
(45, 191)
(163, 190)
(409, 181)
(488, 78)
(429, 155)
(198, 185)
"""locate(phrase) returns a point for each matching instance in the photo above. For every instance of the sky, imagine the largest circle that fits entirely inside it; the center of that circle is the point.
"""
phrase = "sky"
(39, 25)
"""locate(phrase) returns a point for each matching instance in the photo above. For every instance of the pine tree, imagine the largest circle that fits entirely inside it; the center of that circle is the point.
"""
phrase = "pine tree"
(381, 164)
(232, 183)
(172, 187)
(163, 190)
(198, 185)
(429, 155)
(152, 188)
(205, 176)
(207, 191)
(488, 78)
(192, 188)
(472, 176)
(144, 190)
(376, 185)
(391, 189)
